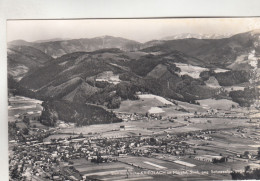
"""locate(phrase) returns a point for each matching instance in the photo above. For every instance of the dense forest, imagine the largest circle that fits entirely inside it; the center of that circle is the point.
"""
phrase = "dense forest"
(81, 114)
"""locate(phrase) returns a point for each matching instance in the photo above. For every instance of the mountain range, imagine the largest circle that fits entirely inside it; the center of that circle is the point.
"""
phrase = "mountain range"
(57, 48)
(107, 70)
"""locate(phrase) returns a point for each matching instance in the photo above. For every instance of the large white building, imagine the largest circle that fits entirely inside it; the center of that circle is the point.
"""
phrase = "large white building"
(209, 158)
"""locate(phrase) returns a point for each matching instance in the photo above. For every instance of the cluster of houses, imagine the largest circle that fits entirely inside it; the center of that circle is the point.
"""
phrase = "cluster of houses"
(32, 157)
(35, 158)
(130, 116)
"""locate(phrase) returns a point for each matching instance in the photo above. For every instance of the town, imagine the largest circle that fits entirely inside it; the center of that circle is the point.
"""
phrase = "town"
(54, 154)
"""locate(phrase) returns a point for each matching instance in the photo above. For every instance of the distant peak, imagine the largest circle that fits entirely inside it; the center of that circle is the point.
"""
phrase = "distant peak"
(51, 40)
(257, 31)
(104, 36)
(17, 41)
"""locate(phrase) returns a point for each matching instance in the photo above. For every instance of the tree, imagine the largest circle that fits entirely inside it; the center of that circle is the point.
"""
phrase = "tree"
(114, 103)
(258, 153)
(247, 175)
(246, 153)
(247, 168)
(153, 140)
(81, 135)
(147, 114)
(14, 148)
(25, 131)
(26, 120)
(15, 174)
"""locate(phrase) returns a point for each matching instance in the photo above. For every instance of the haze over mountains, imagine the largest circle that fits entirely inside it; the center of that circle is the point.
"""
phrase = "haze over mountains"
(106, 70)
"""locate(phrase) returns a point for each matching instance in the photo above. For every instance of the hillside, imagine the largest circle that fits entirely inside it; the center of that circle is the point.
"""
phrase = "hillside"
(81, 114)
(23, 59)
(228, 78)
(57, 48)
(216, 52)
(109, 76)
(79, 64)
(185, 69)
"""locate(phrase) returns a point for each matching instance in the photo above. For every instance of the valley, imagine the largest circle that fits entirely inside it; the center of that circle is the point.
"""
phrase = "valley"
(110, 108)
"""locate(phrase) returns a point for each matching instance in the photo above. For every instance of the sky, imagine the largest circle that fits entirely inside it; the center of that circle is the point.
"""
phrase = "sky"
(140, 30)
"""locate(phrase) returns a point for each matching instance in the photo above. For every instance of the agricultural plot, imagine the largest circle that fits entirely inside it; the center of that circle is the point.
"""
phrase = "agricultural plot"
(193, 71)
(108, 76)
(141, 106)
(191, 107)
(218, 123)
(151, 163)
(149, 103)
(37, 124)
(108, 171)
(21, 125)
(145, 127)
(19, 106)
(222, 104)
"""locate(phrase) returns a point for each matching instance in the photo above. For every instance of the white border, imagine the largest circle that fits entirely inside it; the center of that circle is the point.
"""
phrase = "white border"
(66, 9)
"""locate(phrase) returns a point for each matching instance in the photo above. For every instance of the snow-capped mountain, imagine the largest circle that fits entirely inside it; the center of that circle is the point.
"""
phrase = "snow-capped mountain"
(198, 36)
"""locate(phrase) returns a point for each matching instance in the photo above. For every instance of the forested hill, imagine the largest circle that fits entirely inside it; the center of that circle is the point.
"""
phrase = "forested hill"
(80, 114)
(108, 70)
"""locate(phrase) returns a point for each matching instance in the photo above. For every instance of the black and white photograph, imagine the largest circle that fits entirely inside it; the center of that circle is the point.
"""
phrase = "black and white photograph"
(134, 99)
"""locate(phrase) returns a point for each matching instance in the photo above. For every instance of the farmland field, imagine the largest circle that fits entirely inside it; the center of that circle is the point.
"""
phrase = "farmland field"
(222, 104)
(193, 71)
(149, 103)
(22, 105)
(108, 171)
